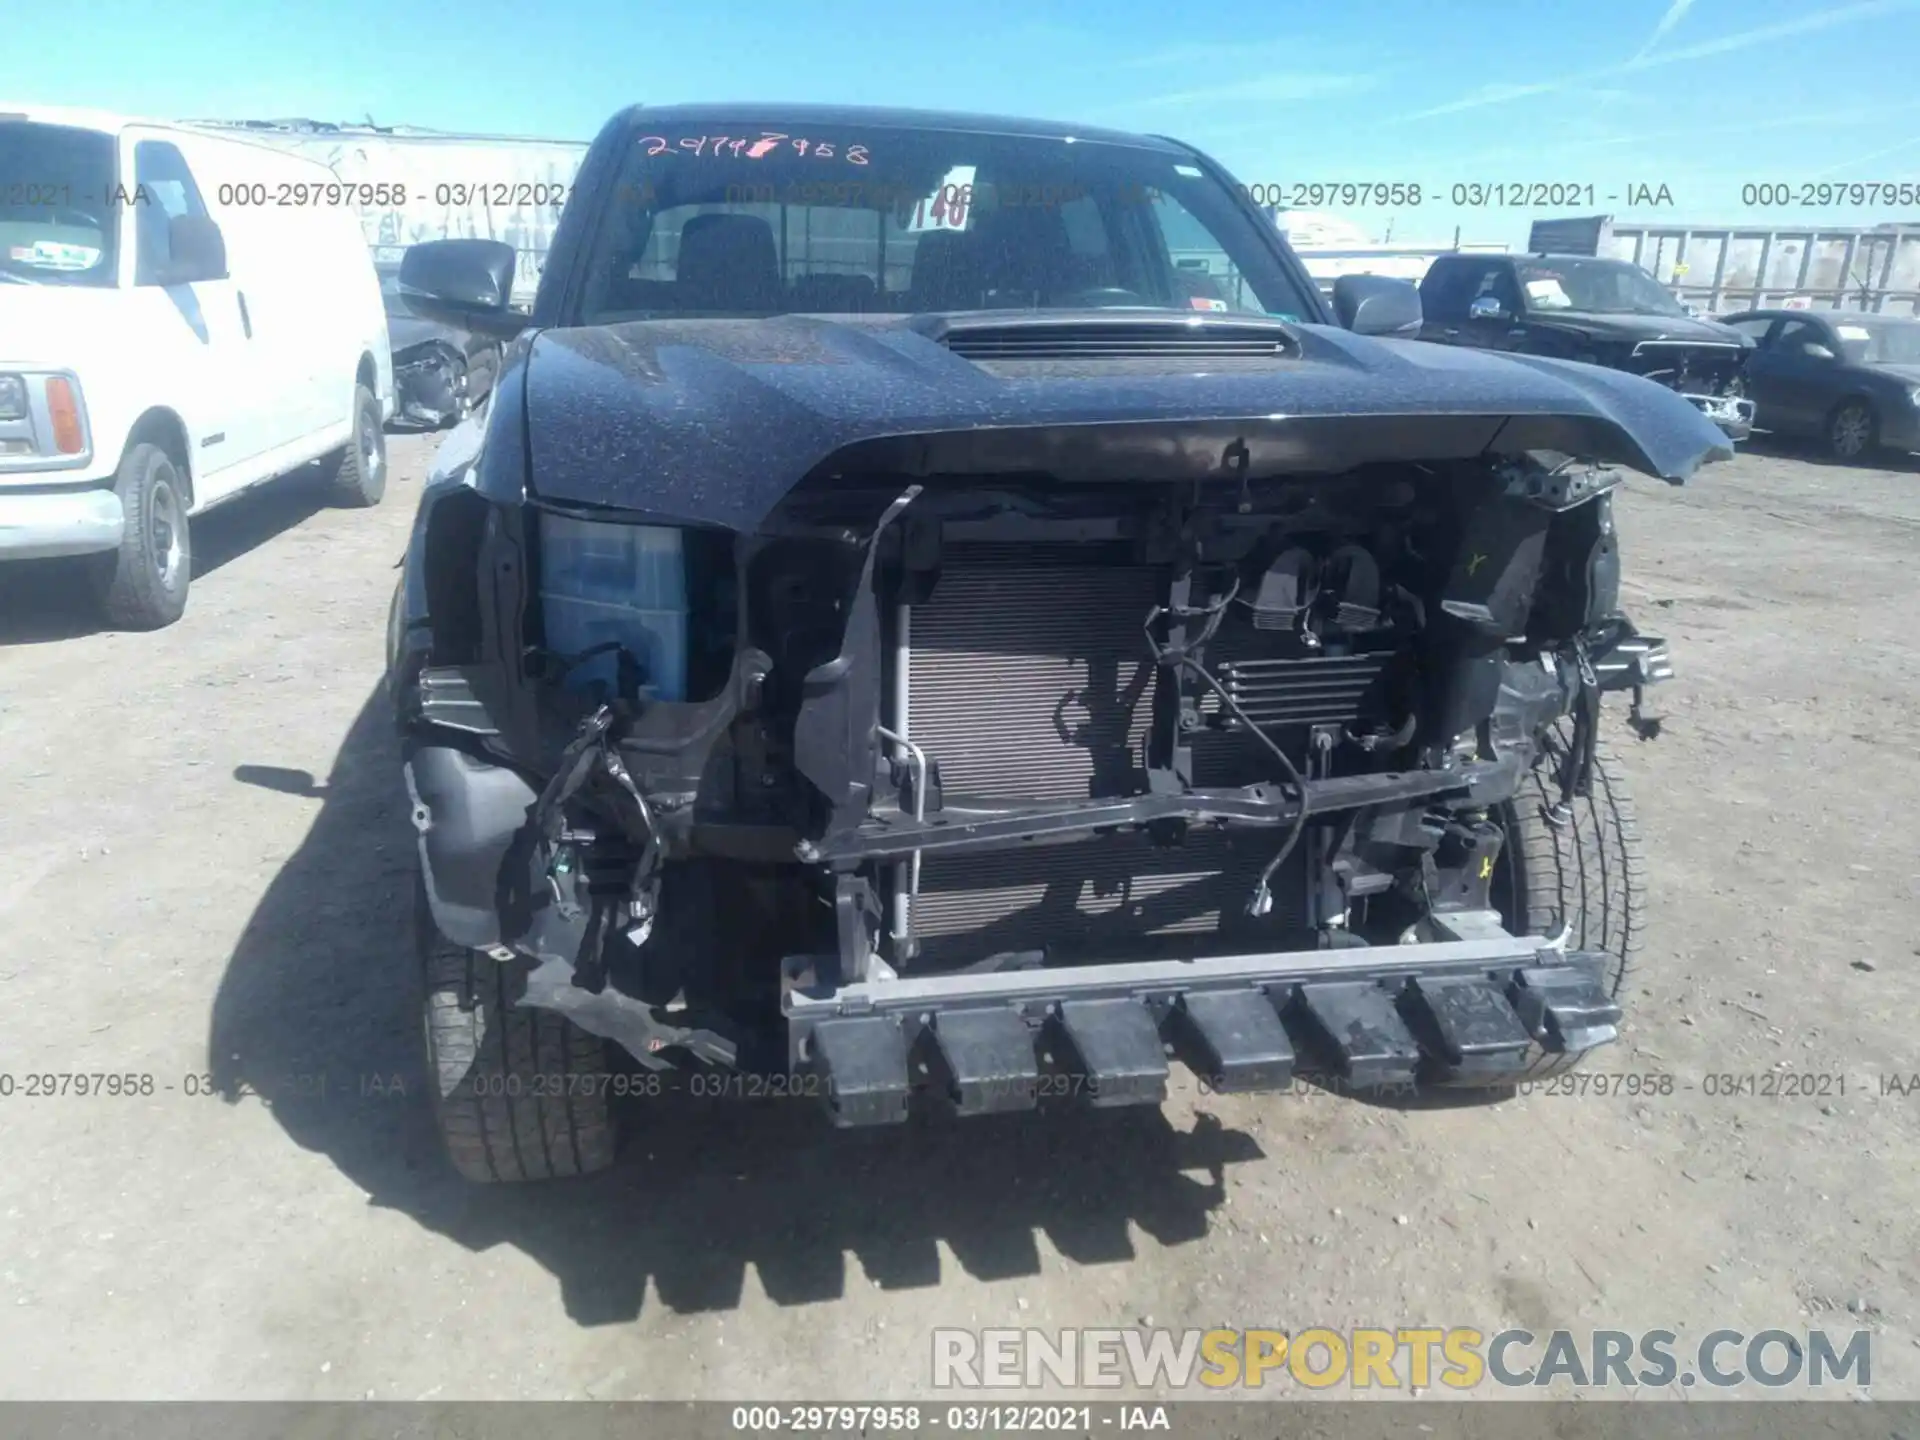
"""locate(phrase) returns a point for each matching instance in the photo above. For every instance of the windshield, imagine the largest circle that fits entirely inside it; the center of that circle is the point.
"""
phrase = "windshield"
(56, 214)
(1879, 341)
(902, 221)
(1595, 287)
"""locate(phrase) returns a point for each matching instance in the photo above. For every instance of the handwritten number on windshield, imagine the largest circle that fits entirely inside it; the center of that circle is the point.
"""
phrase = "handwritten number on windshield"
(768, 142)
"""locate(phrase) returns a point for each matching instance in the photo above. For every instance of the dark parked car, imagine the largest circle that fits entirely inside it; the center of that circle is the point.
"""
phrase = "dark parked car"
(1849, 379)
(920, 658)
(1599, 311)
(440, 371)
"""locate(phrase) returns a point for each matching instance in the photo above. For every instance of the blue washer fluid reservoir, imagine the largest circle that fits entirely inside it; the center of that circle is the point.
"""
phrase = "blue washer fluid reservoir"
(626, 583)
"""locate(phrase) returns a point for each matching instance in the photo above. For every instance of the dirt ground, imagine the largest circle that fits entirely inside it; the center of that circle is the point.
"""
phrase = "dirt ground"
(204, 868)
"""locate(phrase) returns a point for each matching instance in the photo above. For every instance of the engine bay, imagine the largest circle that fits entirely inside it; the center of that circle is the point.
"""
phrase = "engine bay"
(1003, 725)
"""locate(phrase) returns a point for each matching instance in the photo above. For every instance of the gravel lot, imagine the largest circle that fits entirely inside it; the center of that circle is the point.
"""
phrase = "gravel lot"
(204, 869)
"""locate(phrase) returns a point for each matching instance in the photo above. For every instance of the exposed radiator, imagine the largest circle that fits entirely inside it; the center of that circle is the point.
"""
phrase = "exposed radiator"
(1029, 676)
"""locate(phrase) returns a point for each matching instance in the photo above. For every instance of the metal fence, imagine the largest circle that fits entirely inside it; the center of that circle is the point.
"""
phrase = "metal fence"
(1723, 268)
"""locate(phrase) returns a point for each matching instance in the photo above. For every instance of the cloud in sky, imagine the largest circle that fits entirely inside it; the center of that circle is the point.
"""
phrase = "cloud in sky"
(1676, 12)
(1893, 149)
(1796, 120)
(1700, 50)
(1280, 87)
(1211, 52)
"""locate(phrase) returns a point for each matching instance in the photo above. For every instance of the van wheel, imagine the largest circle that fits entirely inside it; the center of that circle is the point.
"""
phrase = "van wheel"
(143, 584)
(518, 1094)
(359, 470)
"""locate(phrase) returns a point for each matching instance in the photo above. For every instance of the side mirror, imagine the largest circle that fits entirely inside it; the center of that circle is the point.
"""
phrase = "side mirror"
(196, 250)
(1377, 305)
(1486, 307)
(464, 283)
(1818, 351)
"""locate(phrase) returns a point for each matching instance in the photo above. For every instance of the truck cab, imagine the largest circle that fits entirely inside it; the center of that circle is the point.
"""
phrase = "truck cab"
(182, 317)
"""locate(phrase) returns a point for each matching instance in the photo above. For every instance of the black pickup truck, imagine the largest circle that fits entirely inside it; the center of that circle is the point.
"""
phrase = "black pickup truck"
(1595, 310)
(887, 632)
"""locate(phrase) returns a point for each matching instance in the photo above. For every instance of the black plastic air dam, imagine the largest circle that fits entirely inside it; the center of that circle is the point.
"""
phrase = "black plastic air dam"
(467, 814)
(1368, 1015)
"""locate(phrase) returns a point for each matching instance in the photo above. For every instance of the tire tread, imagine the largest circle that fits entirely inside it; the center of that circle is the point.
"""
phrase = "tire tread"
(481, 1045)
(130, 593)
(347, 479)
(1590, 873)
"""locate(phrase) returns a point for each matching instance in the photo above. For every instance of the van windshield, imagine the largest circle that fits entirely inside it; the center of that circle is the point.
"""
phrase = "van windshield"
(905, 220)
(57, 217)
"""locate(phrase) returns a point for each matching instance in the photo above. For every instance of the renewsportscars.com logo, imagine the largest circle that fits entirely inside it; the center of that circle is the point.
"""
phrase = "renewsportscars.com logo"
(1401, 1358)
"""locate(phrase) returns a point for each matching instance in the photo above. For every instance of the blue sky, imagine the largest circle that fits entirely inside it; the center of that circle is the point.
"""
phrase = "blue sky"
(1701, 96)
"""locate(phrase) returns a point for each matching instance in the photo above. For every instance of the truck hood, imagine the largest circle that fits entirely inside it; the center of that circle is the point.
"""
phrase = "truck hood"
(715, 421)
(1632, 329)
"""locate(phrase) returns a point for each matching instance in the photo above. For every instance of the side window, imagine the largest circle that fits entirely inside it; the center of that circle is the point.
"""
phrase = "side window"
(164, 189)
(1204, 275)
(1498, 281)
(1445, 289)
(1086, 233)
(1796, 336)
(1755, 328)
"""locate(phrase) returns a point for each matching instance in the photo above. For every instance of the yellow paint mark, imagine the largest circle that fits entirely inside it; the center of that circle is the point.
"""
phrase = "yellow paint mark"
(1486, 867)
(1475, 563)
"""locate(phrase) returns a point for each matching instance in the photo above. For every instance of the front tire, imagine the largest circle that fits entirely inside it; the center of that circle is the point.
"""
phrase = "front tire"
(143, 584)
(1853, 431)
(358, 471)
(1587, 874)
(519, 1093)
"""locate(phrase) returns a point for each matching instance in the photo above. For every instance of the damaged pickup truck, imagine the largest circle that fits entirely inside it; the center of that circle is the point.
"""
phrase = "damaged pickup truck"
(887, 640)
(1594, 309)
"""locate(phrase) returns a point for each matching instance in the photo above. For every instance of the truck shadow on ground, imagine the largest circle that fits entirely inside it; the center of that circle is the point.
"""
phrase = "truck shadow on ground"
(1811, 451)
(44, 600)
(317, 1015)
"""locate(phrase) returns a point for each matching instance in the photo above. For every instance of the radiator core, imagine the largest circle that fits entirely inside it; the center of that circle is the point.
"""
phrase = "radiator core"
(1029, 676)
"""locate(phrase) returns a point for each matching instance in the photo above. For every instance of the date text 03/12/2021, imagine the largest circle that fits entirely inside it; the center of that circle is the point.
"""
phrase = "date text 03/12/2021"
(964, 1420)
(1461, 194)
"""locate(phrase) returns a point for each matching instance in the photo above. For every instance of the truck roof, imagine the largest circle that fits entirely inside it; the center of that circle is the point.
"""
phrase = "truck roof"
(887, 117)
(112, 122)
(72, 116)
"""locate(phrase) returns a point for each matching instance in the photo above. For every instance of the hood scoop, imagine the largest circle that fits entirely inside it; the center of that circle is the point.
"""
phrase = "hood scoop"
(1107, 335)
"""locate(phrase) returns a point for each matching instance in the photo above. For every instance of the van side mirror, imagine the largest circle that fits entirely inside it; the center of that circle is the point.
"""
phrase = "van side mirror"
(1377, 305)
(464, 283)
(196, 250)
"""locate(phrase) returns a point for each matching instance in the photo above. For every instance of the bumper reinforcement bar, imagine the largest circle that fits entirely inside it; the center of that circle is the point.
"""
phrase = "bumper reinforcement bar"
(1465, 1009)
(957, 828)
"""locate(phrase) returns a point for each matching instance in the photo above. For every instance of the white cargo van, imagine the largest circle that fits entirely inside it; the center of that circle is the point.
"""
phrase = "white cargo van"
(182, 316)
